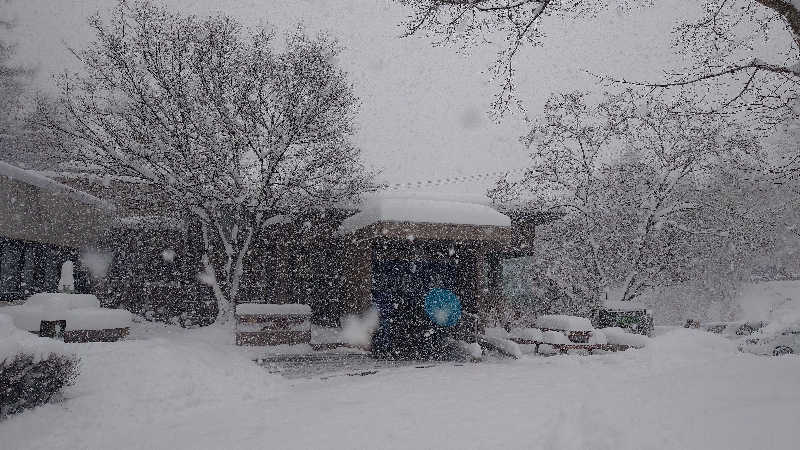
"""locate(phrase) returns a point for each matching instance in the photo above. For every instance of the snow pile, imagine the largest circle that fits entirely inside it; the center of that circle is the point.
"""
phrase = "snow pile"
(358, 330)
(423, 208)
(563, 322)
(273, 309)
(555, 337)
(61, 301)
(471, 349)
(685, 346)
(151, 381)
(598, 337)
(28, 319)
(506, 346)
(531, 334)
(14, 341)
(81, 311)
(497, 332)
(97, 319)
(618, 336)
(547, 349)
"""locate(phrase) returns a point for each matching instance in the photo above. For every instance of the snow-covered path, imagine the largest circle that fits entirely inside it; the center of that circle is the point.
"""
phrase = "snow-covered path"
(687, 390)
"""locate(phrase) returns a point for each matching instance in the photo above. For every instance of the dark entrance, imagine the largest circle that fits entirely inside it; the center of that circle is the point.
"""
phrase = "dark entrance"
(399, 290)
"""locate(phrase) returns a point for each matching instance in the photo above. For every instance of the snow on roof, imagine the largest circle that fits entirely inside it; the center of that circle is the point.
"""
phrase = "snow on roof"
(288, 309)
(96, 177)
(35, 179)
(424, 208)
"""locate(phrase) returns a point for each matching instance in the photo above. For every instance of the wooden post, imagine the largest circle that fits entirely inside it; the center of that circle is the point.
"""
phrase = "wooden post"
(281, 290)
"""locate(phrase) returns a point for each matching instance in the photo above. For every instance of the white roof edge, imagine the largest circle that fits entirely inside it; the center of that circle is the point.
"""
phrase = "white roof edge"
(68, 175)
(35, 179)
(423, 209)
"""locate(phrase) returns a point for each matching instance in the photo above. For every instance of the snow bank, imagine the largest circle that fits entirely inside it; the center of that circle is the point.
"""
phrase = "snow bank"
(563, 322)
(29, 319)
(531, 334)
(128, 390)
(506, 346)
(420, 208)
(42, 182)
(618, 336)
(598, 337)
(14, 341)
(60, 301)
(687, 390)
(497, 332)
(288, 309)
(97, 319)
(547, 349)
(555, 337)
(81, 311)
(684, 345)
(470, 349)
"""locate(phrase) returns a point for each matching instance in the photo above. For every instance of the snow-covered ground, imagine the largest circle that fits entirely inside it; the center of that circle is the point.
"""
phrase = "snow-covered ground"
(166, 388)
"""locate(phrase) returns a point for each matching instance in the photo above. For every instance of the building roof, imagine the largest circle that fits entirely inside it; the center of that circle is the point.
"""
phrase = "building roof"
(42, 182)
(411, 207)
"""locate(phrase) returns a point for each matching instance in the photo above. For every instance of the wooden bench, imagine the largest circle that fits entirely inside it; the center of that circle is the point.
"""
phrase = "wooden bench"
(272, 324)
(565, 348)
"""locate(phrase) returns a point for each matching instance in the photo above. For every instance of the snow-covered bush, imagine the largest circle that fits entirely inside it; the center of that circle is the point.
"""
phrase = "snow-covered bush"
(32, 369)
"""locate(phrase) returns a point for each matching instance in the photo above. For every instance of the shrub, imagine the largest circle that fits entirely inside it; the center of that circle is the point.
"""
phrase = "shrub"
(27, 381)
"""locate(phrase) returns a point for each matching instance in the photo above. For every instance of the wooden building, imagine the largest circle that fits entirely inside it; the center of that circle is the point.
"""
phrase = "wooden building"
(338, 261)
(42, 224)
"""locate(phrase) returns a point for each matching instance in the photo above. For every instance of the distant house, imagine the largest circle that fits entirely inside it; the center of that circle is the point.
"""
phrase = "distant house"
(42, 224)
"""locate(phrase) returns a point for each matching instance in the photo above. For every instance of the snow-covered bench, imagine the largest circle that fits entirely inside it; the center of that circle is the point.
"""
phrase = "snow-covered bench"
(550, 342)
(565, 334)
(272, 324)
(78, 317)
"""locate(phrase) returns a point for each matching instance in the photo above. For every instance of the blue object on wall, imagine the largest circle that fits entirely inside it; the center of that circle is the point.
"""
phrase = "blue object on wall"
(443, 307)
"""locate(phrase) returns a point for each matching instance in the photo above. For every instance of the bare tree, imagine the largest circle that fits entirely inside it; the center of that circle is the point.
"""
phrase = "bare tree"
(725, 70)
(14, 79)
(640, 190)
(721, 43)
(232, 131)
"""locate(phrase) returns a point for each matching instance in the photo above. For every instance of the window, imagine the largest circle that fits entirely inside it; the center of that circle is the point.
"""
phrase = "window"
(10, 267)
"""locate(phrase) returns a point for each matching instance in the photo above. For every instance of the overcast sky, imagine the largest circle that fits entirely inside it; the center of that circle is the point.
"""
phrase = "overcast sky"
(424, 108)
